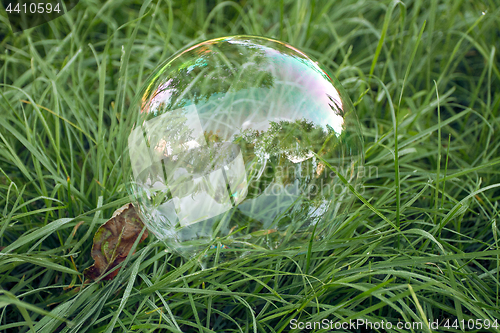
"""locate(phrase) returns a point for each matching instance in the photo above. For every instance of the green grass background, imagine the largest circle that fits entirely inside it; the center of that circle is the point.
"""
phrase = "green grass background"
(424, 76)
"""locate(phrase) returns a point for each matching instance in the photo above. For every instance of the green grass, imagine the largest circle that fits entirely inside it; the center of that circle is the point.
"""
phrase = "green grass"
(424, 76)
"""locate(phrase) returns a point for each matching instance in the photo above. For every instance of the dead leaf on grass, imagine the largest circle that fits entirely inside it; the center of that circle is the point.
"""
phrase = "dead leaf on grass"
(114, 240)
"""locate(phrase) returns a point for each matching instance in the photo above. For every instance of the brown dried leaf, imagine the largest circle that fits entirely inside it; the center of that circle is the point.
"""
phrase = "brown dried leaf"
(114, 240)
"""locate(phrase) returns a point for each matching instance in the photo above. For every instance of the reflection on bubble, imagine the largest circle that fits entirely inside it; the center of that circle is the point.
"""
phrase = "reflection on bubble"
(225, 144)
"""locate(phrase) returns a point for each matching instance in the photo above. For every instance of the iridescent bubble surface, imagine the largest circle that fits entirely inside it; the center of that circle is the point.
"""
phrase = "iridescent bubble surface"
(228, 149)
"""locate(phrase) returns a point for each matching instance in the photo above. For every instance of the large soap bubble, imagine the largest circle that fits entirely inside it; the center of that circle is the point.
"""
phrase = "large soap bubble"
(229, 148)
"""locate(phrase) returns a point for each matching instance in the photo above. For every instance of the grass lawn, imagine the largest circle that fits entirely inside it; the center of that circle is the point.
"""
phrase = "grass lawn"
(425, 78)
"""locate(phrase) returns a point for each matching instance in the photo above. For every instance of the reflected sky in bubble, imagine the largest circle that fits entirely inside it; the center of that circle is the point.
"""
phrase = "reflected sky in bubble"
(290, 68)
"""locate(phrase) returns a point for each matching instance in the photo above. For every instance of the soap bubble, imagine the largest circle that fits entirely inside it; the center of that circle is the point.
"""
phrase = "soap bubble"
(229, 146)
